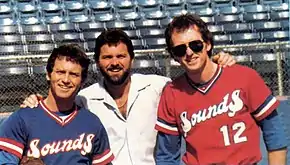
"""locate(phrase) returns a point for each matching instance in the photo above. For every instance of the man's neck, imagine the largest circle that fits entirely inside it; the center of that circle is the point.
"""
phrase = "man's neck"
(58, 105)
(205, 74)
(118, 91)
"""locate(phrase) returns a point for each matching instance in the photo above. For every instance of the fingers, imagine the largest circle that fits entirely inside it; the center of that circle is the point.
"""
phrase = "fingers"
(225, 59)
(31, 101)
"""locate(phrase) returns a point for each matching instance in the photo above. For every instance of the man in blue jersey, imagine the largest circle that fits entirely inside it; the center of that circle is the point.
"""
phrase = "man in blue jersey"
(57, 131)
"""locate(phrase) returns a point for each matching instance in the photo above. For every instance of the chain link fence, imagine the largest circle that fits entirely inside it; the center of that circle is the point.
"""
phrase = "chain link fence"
(23, 75)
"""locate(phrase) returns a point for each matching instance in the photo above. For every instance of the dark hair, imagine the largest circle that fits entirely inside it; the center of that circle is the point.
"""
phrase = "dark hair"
(113, 37)
(72, 52)
(183, 22)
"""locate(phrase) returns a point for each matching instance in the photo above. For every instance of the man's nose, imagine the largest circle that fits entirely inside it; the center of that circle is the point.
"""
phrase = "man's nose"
(189, 52)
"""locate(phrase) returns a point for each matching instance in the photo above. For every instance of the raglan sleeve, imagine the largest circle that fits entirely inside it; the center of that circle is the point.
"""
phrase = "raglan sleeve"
(166, 120)
(260, 98)
(12, 139)
(102, 154)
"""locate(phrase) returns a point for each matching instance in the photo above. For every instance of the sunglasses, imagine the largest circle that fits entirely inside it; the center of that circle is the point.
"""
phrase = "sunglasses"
(180, 50)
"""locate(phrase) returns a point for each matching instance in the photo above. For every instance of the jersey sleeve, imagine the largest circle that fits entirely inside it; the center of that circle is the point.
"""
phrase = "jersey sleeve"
(260, 98)
(13, 135)
(102, 153)
(8, 158)
(166, 120)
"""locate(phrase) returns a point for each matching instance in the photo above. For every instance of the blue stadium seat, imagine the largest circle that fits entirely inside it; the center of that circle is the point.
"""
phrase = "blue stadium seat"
(231, 10)
(5, 9)
(40, 48)
(138, 44)
(165, 22)
(285, 24)
(104, 17)
(119, 24)
(39, 38)
(172, 6)
(152, 33)
(122, 6)
(99, 6)
(253, 17)
(156, 15)
(145, 23)
(42, 28)
(279, 7)
(266, 26)
(220, 39)
(155, 43)
(247, 2)
(91, 26)
(237, 27)
(64, 27)
(133, 34)
(220, 3)
(216, 29)
(10, 39)
(50, 7)
(257, 8)
(57, 19)
(208, 19)
(145, 5)
(193, 4)
(11, 50)
(90, 46)
(11, 29)
(175, 12)
(221, 19)
(276, 36)
(91, 36)
(130, 16)
(279, 15)
(204, 11)
(7, 21)
(68, 37)
(245, 37)
(79, 18)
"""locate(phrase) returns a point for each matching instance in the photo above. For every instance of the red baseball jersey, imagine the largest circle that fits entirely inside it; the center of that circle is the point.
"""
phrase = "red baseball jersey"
(217, 119)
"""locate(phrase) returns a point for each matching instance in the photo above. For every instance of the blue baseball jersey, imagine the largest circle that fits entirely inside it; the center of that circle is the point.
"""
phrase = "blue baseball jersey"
(76, 138)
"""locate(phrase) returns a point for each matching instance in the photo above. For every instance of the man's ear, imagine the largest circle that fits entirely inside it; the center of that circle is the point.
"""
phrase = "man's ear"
(208, 46)
(47, 76)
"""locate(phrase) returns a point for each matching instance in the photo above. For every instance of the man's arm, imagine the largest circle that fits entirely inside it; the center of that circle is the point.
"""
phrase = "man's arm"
(168, 149)
(275, 139)
(12, 139)
(8, 158)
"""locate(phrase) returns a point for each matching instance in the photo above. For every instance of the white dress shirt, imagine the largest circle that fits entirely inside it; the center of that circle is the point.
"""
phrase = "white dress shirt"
(133, 139)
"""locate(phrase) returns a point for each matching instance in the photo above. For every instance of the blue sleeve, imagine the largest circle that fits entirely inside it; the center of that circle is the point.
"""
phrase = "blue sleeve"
(168, 150)
(273, 132)
(13, 135)
(8, 159)
(102, 152)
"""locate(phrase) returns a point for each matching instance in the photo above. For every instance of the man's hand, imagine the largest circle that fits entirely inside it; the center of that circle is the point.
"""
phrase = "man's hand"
(224, 59)
(31, 101)
(31, 161)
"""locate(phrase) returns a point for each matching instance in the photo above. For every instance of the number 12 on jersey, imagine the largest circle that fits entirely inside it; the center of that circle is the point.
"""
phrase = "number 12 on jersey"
(239, 127)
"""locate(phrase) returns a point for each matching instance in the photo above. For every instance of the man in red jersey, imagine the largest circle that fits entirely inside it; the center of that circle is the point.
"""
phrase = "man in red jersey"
(217, 110)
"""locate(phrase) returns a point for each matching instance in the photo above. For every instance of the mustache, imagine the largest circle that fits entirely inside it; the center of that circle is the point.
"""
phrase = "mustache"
(113, 67)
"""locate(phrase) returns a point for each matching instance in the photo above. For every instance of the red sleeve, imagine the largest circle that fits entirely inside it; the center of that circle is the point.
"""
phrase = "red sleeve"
(166, 120)
(260, 98)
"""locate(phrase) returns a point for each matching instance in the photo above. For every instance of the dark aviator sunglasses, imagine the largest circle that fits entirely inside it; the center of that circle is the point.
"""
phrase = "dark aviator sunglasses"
(180, 50)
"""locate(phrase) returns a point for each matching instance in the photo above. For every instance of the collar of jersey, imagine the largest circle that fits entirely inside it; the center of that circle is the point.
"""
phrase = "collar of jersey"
(55, 117)
(203, 88)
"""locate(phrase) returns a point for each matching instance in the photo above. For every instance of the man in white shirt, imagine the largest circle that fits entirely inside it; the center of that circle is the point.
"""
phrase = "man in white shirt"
(126, 103)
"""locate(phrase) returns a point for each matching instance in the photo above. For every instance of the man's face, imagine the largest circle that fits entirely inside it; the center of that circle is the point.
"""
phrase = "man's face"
(115, 63)
(193, 59)
(65, 78)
